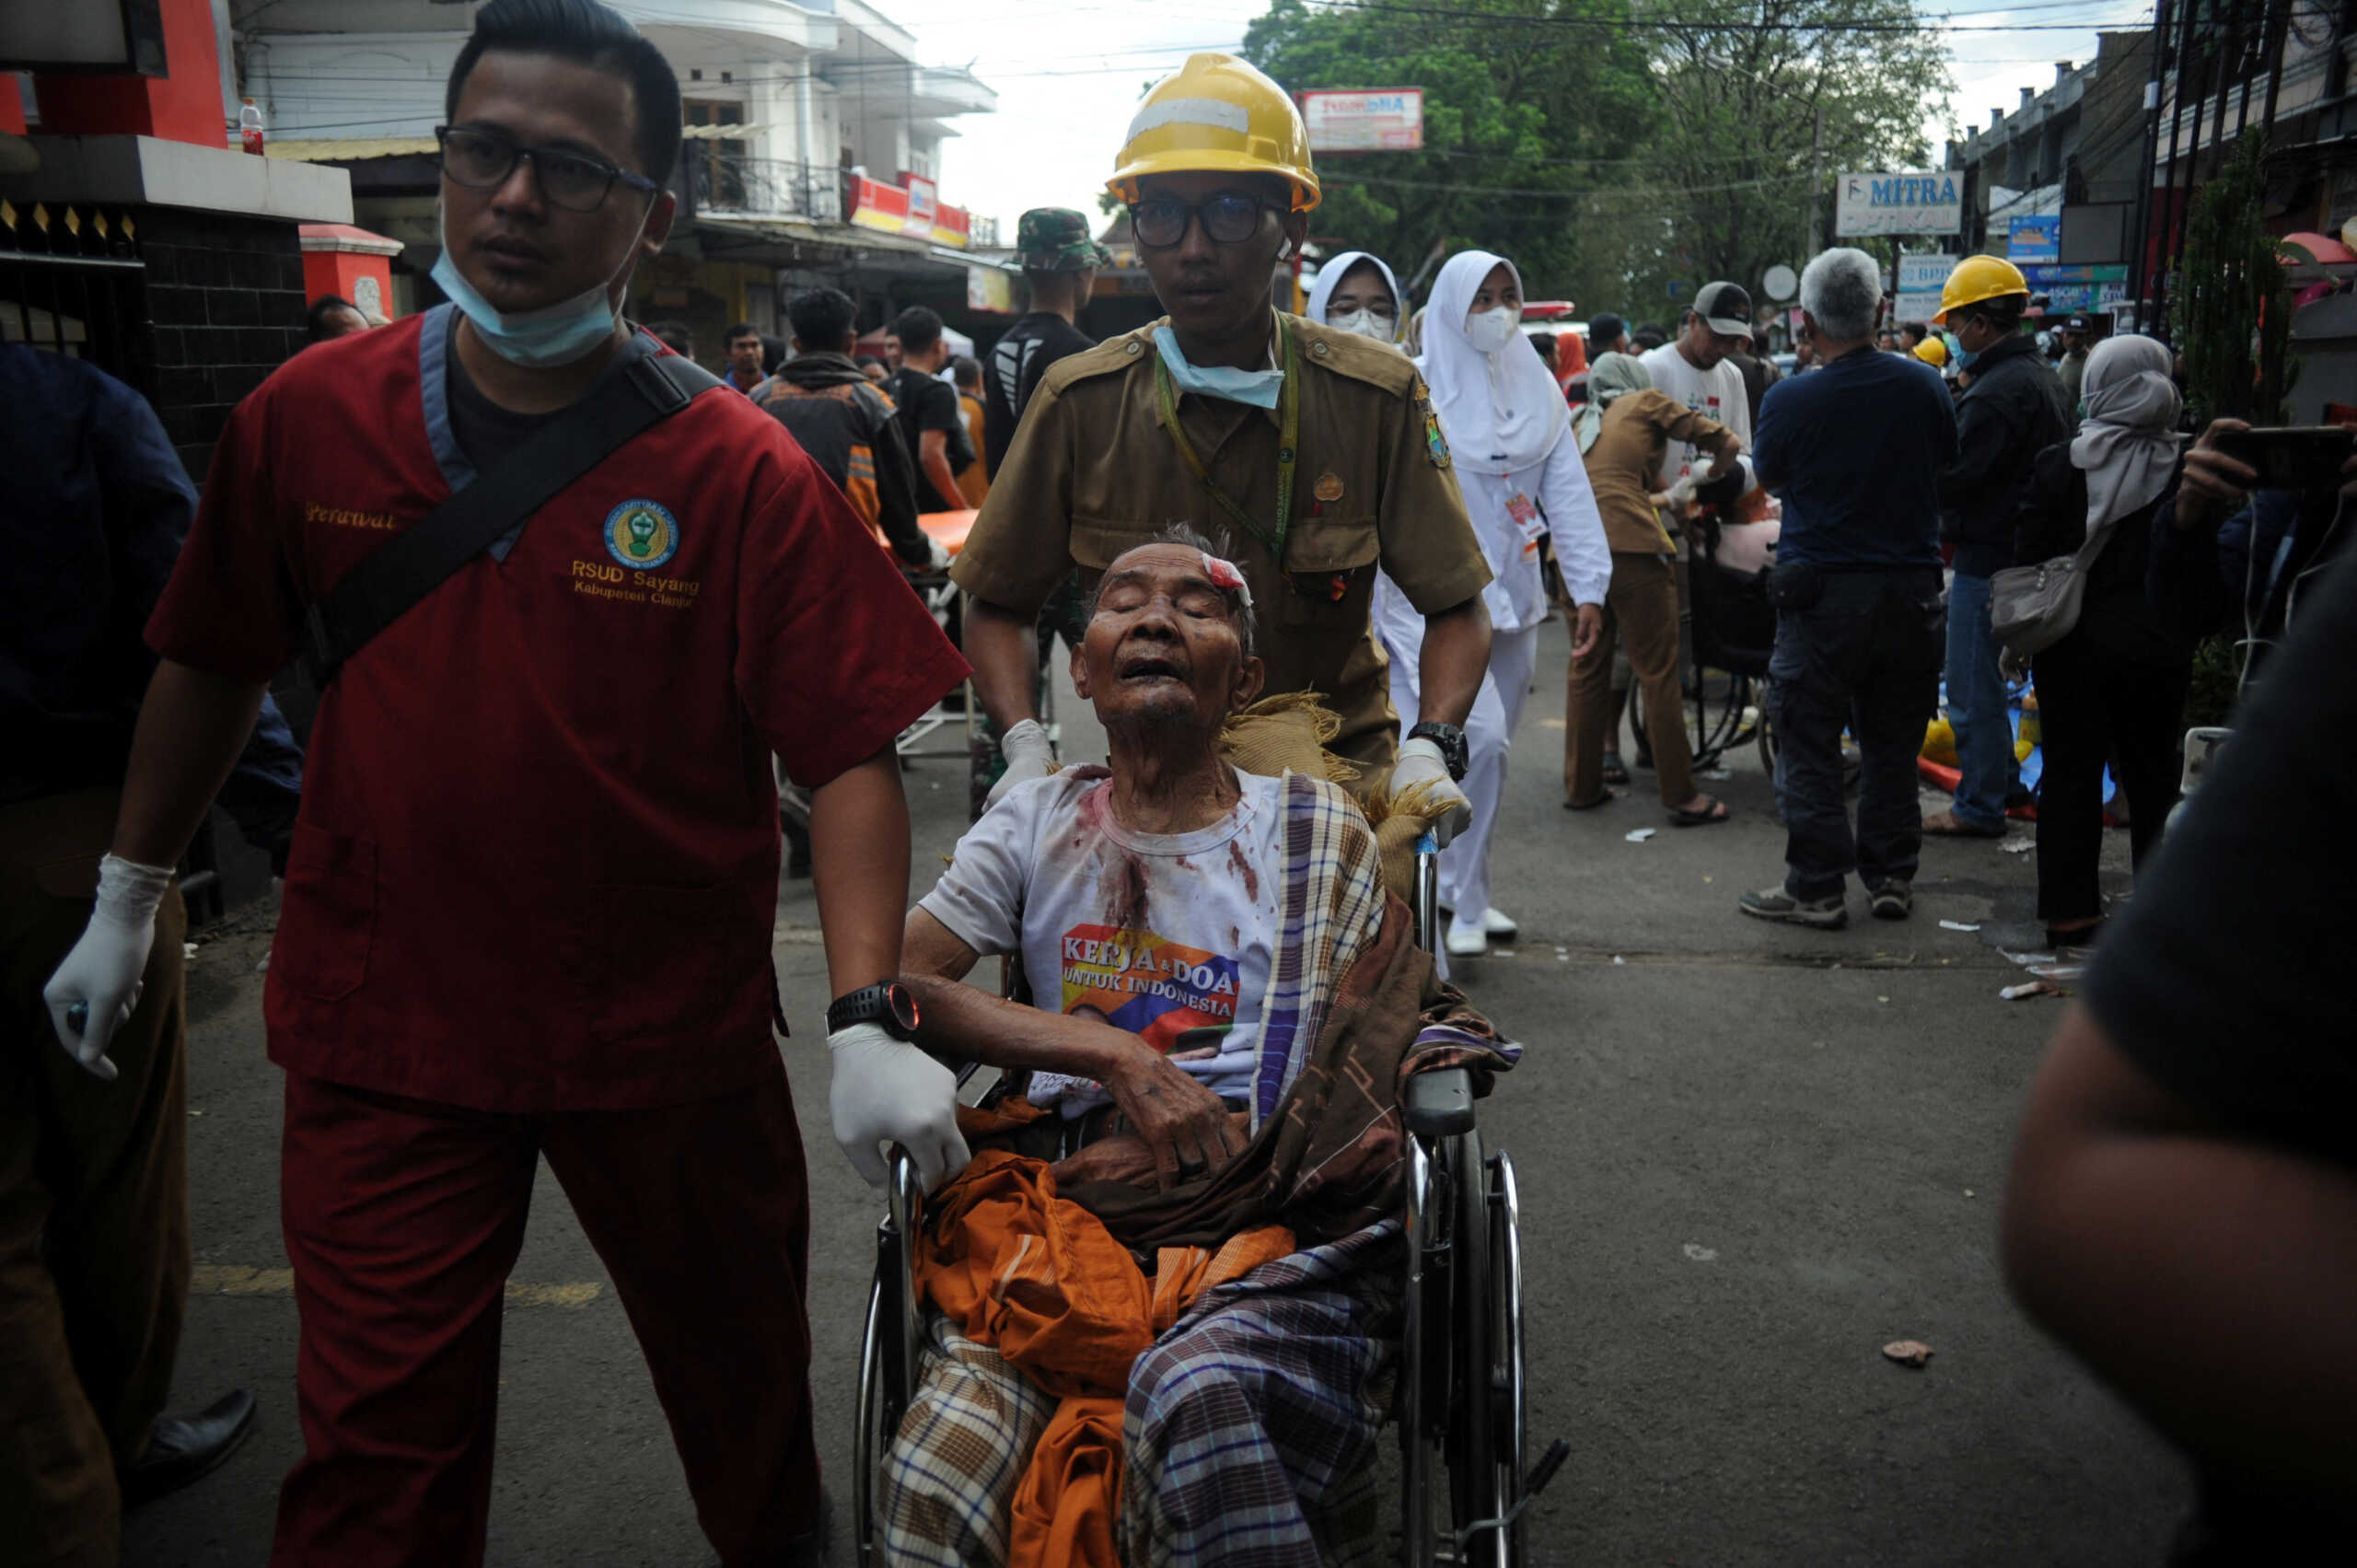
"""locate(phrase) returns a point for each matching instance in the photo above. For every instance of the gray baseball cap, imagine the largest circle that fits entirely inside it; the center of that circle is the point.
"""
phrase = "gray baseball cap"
(1726, 308)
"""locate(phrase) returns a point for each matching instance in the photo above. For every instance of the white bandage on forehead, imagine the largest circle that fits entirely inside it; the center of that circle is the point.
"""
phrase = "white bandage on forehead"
(1229, 580)
(1209, 111)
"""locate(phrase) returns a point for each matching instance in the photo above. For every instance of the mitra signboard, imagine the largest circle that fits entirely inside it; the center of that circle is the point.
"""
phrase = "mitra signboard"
(1390, 120)
(1899, 203)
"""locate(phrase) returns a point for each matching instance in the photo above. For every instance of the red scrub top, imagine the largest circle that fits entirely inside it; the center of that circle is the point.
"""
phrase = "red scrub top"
(535, 864)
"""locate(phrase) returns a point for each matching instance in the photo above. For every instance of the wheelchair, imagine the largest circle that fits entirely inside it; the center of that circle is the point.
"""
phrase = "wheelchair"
(1459, 1405)
(1729, 628)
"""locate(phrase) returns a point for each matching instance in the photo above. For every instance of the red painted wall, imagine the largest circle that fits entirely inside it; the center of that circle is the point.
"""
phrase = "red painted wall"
(338, 273)
(12, 104)
(184, 106)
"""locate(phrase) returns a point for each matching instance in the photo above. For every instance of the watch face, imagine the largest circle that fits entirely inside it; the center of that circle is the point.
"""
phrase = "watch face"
(904, 1006)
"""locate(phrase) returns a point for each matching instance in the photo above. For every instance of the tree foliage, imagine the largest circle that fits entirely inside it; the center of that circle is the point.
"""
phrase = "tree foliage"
(2234, 313)
(1621, 151)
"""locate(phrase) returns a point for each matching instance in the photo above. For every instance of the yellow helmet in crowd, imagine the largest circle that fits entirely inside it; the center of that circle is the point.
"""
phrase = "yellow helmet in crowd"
(1976, 278)
(1934, 353)
(1216, 114)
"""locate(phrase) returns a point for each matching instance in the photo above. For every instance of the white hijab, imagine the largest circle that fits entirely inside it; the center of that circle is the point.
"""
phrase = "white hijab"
(1330, 278)
(2128, 443)
(1503, 412)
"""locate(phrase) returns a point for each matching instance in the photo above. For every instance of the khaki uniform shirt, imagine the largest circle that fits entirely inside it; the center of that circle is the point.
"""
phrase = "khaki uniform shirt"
(1621, 467)
(1092, 473)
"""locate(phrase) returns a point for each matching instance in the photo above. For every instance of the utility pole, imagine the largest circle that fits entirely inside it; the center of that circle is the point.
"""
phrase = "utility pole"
(1816, 187)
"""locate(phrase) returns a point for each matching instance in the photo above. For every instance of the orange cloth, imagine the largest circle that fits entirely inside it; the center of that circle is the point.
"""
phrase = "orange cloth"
(1041, 1278)
(975, 483)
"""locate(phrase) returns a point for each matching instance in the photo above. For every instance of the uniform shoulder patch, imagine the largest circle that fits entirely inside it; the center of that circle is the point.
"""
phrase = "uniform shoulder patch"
(1110, 358)
(1348, 354)
(1435, 444)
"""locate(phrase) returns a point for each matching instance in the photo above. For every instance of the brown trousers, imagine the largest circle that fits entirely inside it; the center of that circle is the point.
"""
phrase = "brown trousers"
(1641, 611)
(94, 1245)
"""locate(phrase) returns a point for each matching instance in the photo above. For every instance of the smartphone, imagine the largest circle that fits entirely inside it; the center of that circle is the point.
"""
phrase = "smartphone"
(2292, 457)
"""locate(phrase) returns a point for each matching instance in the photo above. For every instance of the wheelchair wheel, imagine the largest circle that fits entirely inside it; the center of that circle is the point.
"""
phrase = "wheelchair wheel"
(1720, 713)
(1471, 1438)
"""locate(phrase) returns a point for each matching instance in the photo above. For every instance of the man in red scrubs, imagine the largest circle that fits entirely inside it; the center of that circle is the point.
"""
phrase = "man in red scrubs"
(529, 904)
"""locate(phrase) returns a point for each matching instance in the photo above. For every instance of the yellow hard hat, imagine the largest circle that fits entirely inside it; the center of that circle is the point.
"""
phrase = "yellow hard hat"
(1934, 353)
(1216, 113)
(1976, 278)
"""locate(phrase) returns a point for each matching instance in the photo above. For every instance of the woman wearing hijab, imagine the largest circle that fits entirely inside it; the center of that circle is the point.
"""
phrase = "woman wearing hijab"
(2114, 685)
(1621, 432)
(1356, 293)
(1506, 421)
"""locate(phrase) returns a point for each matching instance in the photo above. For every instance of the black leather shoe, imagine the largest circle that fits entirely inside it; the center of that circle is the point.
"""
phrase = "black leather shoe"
(183, 1448)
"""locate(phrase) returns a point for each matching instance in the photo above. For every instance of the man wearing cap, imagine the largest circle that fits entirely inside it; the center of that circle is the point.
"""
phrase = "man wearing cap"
(2013, 409)
(2074, 365)
(1315, 451)
(1060, 261)
(1695, 369)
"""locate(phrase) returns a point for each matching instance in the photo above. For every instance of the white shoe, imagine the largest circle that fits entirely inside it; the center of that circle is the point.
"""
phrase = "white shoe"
(1497, 923)
(1467, 942)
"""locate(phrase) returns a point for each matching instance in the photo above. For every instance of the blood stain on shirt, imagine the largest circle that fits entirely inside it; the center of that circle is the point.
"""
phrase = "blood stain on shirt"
(1237, 858)
(1126, 910)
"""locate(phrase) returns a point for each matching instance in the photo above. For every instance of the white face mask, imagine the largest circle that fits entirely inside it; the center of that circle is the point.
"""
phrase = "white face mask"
(1491, 331)
(1376, 324)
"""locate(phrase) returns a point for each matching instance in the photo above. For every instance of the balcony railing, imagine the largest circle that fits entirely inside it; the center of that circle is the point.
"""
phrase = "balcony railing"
(723, 183)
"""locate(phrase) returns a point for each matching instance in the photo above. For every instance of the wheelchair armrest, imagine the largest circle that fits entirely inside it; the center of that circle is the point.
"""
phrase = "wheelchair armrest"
(1439, 1104)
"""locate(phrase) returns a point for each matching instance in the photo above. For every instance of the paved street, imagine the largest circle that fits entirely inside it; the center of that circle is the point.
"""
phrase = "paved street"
(1749, 1157)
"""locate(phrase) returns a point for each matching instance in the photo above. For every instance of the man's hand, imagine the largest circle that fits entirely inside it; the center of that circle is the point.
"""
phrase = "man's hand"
(2212, 478)
(886, 1090)
(1588, 630)
(1184, 1124)
(938, 554)
(93, 991)
(1028, 756)
(1420, 765)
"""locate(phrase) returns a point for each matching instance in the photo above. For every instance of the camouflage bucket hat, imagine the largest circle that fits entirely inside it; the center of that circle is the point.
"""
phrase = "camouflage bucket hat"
(1057, 239)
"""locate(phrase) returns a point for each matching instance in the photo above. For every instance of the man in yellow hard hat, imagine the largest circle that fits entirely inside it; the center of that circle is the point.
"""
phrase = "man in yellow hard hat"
(2013, 409)
(1314, 452)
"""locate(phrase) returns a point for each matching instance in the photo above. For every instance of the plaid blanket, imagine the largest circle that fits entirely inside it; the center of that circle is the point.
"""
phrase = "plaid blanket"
(1249, 1433)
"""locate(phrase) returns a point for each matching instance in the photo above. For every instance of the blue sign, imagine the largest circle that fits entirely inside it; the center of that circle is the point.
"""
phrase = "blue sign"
(2034, 239)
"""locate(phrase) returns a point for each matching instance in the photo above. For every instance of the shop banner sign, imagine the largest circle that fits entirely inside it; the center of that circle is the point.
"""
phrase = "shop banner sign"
(1899, 203)
(2034, 239)
(1390, 120)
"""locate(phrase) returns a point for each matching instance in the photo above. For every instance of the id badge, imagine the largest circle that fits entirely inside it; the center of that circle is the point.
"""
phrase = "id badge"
(1526, 514)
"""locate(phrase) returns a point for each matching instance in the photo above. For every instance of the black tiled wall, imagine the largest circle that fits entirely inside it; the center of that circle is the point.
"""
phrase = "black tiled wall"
(226, 296)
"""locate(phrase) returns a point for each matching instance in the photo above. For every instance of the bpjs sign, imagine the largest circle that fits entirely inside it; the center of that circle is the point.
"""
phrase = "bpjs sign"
(1899, 203)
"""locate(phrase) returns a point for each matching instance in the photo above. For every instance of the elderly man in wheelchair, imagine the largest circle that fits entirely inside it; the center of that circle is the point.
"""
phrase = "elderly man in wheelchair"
(1160, 1309)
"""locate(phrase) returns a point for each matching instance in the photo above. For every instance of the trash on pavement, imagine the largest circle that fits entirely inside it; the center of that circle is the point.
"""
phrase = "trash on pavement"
(1639, 835)
(2031, 988)
(1908, 1353)
(1956, 925)
(2018, 846)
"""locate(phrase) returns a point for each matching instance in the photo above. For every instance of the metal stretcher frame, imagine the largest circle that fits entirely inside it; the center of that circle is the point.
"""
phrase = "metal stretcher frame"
(1461, 1403)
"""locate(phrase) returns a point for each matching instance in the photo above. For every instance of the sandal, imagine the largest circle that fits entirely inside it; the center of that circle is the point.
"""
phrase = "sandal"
(1606, 798)
(1615, 771)
(1715, 812)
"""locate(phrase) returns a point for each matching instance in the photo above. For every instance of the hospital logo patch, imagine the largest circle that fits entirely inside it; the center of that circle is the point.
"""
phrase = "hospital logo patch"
(641, 534)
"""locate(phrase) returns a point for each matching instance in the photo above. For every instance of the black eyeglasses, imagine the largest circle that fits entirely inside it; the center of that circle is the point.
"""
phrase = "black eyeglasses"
(1160, 222)
(482, 161)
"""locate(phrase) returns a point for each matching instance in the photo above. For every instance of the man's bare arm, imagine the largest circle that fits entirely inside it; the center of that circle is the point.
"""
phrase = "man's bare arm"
(933, 455)
(1455, 657)
(2205, 1273)
(193, 726)
(999, 644)
(859, 859)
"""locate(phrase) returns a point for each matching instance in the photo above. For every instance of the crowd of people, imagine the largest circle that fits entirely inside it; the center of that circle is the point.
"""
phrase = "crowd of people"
(1361, 516)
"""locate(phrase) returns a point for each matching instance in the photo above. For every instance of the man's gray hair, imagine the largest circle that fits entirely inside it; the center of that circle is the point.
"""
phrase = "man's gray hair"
(1841, 290)
(1238, 599)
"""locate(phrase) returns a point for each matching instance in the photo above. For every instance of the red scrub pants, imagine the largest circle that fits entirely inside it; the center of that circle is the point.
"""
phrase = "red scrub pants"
(402, 1219)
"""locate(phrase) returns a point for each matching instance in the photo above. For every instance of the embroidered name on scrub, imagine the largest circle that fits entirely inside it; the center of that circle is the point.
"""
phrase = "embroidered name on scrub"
(1152, 987)
(349, 517)
(598, 579)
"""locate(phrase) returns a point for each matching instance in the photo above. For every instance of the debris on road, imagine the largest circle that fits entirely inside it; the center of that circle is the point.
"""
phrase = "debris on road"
(2018, 846)
(188, 950)
(2031, 988)
(1701, 1254)
(1639, 835)
(1958, 925)
(1908, 1353)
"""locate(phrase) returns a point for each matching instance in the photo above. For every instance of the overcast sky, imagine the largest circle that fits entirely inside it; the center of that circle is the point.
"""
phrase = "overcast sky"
(1068, 76)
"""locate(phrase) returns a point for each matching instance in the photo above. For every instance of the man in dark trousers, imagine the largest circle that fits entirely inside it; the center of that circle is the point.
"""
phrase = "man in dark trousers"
(2012, 411)
(94, 1238)
(530, 895)
(930, 420)
(1060, 261)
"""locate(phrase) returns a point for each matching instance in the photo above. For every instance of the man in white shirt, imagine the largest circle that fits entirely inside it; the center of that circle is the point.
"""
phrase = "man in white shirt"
(1693, 367)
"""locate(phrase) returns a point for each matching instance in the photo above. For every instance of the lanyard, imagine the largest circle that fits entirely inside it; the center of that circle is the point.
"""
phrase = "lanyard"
(1288, 439)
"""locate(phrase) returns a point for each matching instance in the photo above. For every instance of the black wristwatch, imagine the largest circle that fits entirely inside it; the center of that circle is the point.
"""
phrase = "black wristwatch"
(1451, 741)
(888, 1004)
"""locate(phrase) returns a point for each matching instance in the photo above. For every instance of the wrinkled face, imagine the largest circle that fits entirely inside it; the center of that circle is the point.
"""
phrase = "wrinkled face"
(1216, 288)
(519, 250)
(745, 355)
(1162, 648)
(1363, 288)
(1704, 348)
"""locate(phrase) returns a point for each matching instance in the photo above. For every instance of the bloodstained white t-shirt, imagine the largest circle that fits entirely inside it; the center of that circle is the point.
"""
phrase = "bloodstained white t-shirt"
(1156, 933)
(1716, 393)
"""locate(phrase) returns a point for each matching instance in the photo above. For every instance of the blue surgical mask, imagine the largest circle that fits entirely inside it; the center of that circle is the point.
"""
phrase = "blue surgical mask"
(1965, 356)
(1258, 387)
(537, 339)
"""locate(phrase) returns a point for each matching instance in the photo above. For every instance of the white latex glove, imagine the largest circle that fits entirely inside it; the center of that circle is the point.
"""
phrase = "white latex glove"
(888, 1091)
(1420, 763)
(100, 976)
(1028, 756)
(940, 554)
